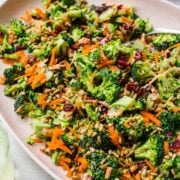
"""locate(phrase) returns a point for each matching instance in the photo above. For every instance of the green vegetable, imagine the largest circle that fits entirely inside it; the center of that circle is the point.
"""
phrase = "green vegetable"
(91, 113)
(152, 149)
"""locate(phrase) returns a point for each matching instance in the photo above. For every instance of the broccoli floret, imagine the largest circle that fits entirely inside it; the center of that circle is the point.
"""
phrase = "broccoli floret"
(68, 139)
(44, 51)
(17, 27)
(6, 47)
(141, 25)
(107, 14)
(76, 85)
(3, 29)
(32, 96)
(68, 2)
(67, 38)
(168, 84)
(39, 125)
(102, 85)
(131, 127)
(77, 34)
(163, 41)
(13, 72)
(169, 121)
(19, 102)
(62, 46)
(168, 165)
(94, 168)
(91, 112)
(152, 149)
(142, 72)
(112, 49)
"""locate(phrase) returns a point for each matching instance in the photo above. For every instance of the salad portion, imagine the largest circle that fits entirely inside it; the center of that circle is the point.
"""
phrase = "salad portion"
(103, 98)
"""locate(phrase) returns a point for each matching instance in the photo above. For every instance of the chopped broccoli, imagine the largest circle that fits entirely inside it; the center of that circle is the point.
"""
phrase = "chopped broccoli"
(17, 27)
(6, 47)
(142, 72)
(112, 49)
(13, 72)
(169, 84)
(19, 102)
(163, 41)
(68, 139)
(169, 121)
(76, 85)
(131, 127)
(152, 149)
(62, 45)
(141, 25)
(91, 113)
(77, 34)
(68, 2)
(107, 14)
(3, 29)
(67, 38)
(102, 85)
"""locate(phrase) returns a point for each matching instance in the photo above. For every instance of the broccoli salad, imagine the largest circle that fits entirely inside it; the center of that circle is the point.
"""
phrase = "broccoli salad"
(103, 98)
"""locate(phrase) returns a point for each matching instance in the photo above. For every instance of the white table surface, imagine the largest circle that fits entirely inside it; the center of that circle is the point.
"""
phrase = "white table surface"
(27, 169)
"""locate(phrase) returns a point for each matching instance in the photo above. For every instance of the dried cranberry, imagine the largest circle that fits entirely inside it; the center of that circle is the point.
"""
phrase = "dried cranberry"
(132, 86)
(104, 40)
(89, 98)
(140, 92)
(100, 9)
(20, 47)
(58, 29)
(139, 55)
(31, 59)
(169, 134)
(120, 6)
(122, 64)
(175, 145)
(75, 47)
(126, 28)
(68, 107)
(123, 82)
(141, 165)
(104, 109)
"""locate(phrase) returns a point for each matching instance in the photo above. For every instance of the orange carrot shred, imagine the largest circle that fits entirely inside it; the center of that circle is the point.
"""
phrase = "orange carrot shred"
(150, 165)
(146, 121)
(166, 147)
(176, 109)
(40, 13)
(156, 56)
(114, 136)
(151, 117)
(8, 61)
(53, 57)
(28, 17)
(83, 164)
(89, 48)
(174, 46)
(137, 176)
(73, 132)
(2, 80)
(42, 100)
(131, 59)
(126, 20)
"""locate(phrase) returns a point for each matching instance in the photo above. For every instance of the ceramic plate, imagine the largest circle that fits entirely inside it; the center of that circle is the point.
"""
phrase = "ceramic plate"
(161, 14)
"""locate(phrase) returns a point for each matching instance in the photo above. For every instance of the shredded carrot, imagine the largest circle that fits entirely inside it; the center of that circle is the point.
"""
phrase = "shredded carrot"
(2, 80)
(40, 13)
(42, 100)
(53, 57)
(126, 20)
(126, 176)
(8, 61)
(37, 140)
(114, 136)
(151, 117)
(131, 58)
(57, 101)
(156, 56)
(69, 174)
(67, 65)
(27, 17)
(105, 30)
(64, 164)
(40, 78)
(176, 109)
(113, 68)
(1, 38)
(150, 165)
(166, 147)
(88, 48)
(137, 176)
(83, 164)
(105, 63)
(73, 132)
(174, 46)
(158, 114)
(22, 56)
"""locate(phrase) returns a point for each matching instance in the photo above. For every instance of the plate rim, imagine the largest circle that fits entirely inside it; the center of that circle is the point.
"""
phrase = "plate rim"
(23, 144)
